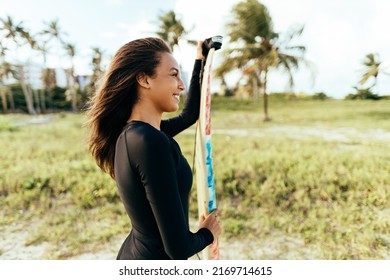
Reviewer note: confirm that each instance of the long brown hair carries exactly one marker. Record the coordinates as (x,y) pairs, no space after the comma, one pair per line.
(111,105)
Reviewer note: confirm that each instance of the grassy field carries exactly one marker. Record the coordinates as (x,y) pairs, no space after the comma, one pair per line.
(314,183)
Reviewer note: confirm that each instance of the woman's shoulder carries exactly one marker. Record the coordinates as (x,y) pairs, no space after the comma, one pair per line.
(142,133)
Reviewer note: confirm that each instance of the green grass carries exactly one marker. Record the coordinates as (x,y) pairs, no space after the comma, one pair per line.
(332,194)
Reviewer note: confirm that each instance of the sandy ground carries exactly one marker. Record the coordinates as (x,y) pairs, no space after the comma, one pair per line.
(13,246)
(304,132)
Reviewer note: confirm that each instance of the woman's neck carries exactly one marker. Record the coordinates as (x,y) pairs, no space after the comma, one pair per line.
(147,114)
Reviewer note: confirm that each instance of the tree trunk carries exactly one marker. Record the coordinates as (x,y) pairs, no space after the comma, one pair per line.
(31,96)
(11,100)
(43,101)
(74,100)
(26,91)
(4,100)
(255,89)
(37,102)
(263,80)
(71,83)
(50,98)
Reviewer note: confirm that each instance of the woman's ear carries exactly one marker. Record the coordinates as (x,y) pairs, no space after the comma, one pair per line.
(142,80)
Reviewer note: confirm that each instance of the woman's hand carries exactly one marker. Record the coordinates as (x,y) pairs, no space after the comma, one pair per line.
(199,54)
(211,222)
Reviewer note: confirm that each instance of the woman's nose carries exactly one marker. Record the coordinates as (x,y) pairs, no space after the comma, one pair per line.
(181,85)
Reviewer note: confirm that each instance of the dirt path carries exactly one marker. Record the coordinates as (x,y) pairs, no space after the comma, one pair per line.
(303,132)
(277,247)
(14,246)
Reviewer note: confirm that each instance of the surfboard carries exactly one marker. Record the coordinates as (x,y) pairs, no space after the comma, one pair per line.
(207,201)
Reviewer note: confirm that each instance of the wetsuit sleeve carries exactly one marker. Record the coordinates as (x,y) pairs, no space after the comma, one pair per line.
(156,166)
(190,112)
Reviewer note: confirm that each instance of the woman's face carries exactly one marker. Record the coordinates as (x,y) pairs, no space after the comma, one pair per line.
(166,85)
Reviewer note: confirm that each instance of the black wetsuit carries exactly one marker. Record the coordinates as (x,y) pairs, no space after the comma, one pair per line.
(154,182)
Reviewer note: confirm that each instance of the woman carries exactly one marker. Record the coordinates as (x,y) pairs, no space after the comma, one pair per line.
(131,142)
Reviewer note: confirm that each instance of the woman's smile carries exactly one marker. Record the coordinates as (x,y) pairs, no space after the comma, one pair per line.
(177,96)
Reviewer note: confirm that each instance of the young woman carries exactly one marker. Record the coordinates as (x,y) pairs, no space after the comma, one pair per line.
(130,141)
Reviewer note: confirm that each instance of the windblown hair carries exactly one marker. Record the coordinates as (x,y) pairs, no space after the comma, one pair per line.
(111,105)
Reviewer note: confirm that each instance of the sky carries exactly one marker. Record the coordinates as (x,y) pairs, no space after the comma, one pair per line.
(338,34)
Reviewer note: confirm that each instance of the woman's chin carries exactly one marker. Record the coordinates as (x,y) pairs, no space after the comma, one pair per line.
(174,108)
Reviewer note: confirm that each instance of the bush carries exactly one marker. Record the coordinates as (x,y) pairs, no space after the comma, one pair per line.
(363,94)
(54,100)
(320,96)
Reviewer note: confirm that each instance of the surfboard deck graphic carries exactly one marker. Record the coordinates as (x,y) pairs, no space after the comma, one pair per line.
(203,147)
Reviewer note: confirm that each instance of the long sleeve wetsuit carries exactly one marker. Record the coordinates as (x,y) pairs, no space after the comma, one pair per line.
(154,181)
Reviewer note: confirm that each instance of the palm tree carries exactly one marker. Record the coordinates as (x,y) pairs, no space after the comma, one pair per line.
(3,90)
(12,30)
(43,48)
(6,70)
(171,29)
(27,38)
(373,67)
(34,46)
(3,93)
(372,64)
(17,34)
(222,70)
(3,51)
(49,81)
(258,48)
(97,67)
(52,36)
(71,78)
(26,88)
(54,32)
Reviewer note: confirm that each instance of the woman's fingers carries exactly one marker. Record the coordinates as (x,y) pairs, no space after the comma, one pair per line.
(199,54)
(211,221)
(215,226)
